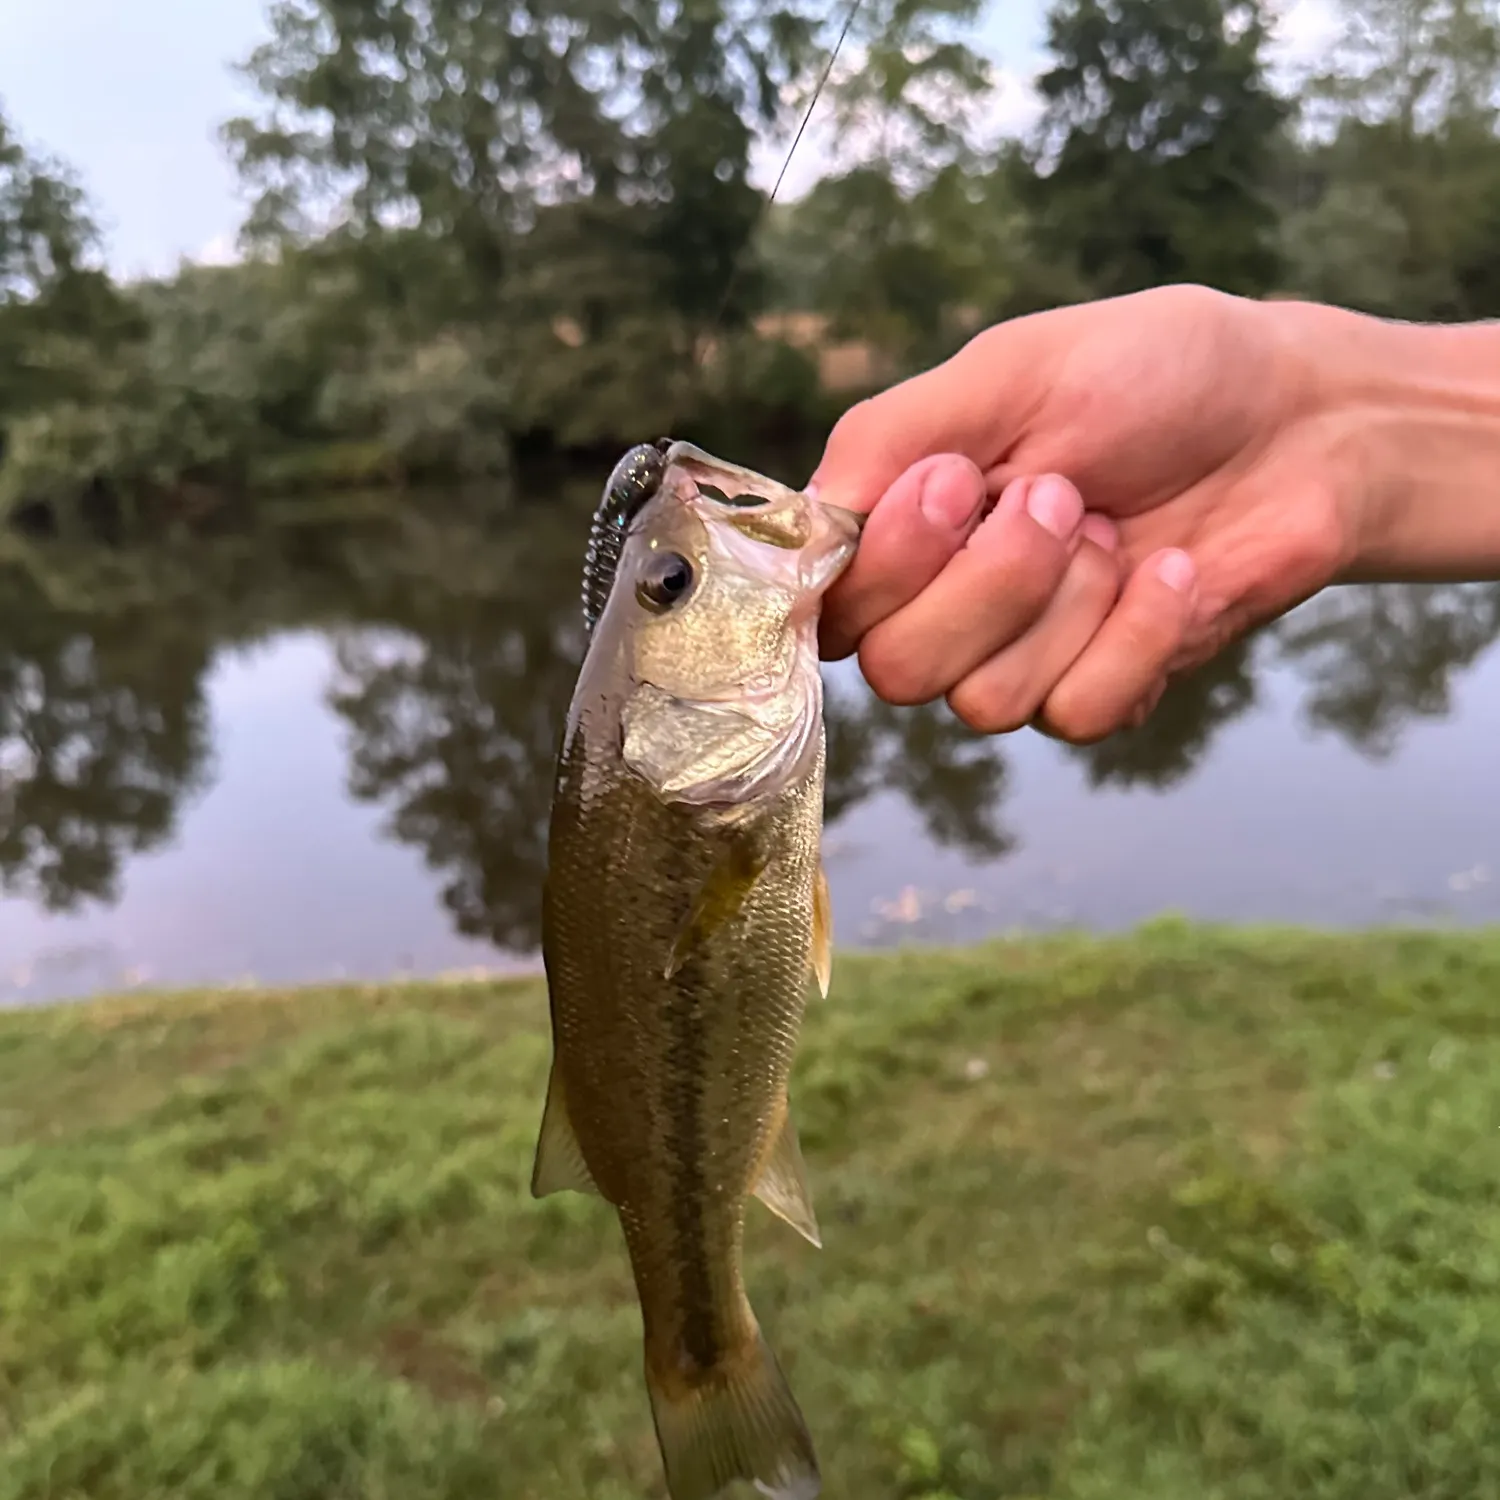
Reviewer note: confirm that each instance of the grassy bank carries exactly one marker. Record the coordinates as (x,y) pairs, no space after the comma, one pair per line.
(1184,1215)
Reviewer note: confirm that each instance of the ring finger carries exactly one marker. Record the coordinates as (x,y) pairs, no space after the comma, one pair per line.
(1005,692)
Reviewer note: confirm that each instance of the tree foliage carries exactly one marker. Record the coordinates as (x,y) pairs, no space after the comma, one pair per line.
(479,225)
(58,310)
(1157,144)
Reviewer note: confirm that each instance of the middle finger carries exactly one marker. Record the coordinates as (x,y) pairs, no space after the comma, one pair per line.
(1005,692)
(989,594)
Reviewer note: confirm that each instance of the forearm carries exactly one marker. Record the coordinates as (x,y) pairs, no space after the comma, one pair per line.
(1415,411)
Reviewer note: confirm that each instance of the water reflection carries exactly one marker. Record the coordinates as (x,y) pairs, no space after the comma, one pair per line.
(1376,658)
(103,735)
(456,643)
(1175,738)
(454,728)
(454,721)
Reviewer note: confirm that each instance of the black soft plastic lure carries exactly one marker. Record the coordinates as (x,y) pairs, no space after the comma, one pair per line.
(636,478)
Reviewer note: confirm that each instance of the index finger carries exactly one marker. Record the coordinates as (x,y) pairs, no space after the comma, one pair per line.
(975,404)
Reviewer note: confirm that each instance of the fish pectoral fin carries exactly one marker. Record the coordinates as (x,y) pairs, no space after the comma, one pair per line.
(720,898)
(782,1186)
(822,933)
(559,1165)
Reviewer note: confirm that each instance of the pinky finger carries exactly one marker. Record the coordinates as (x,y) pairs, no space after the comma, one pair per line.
(1124,668)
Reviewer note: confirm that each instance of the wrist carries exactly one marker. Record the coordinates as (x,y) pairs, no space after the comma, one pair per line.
(1411,417)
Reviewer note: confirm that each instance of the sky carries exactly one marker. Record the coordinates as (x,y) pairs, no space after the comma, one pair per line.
(131,94)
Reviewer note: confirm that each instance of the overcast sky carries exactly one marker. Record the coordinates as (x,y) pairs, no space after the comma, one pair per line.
(130,94)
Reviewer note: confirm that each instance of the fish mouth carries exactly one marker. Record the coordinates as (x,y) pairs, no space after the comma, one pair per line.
(703,469)
(854,519)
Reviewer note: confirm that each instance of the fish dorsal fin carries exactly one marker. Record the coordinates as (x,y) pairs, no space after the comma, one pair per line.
(559,1165)
(822,933)
(720,897)
(783,1183)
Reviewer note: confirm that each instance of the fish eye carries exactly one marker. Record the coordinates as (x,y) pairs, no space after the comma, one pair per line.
(665,582)
(743,501)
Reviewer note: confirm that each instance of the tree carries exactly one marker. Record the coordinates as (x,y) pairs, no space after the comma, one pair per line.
(452,115)
(1416,64)
(1403,162)
(46,233)
(905,100)
(583,166)
(1156,145)
(58,311)
(466,119)
(909,223)
(1347,248)
(911,274)
(722,72)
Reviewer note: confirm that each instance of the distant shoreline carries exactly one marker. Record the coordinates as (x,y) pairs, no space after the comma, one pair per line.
(522,973)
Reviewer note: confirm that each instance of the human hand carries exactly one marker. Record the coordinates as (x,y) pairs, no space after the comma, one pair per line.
(1166,470)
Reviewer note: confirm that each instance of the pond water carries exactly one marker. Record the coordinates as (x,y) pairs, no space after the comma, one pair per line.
(323,750)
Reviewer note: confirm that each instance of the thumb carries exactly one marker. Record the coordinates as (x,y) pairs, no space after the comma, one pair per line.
(974,405)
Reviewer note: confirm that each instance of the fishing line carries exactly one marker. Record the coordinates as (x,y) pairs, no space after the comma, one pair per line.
(638,473)
(833,57)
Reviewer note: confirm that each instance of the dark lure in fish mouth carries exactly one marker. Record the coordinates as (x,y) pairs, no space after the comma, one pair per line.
(634,480)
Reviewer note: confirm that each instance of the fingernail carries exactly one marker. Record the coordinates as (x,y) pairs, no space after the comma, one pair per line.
(1055,506)
(951,494)
(1177,571)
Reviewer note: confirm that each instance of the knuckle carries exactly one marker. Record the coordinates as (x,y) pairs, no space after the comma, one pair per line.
(895,671)
(1189,299)
(1098,575)
(1025,566)
(854,428)
(1148,634)
(1079,718)
(990,708)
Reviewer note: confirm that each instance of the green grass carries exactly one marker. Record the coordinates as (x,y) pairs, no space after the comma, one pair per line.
(1187,1215)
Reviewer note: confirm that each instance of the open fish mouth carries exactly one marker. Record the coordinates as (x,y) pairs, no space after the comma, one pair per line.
(637,479)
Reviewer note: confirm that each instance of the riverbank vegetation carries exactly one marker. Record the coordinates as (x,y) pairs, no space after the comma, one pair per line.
(480,233)
(1182,1213)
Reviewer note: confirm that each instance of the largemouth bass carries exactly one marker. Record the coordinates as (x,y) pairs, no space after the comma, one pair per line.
(685,918)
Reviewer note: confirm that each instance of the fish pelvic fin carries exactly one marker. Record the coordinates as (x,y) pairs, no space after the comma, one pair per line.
(735,1422)
(782,1185)
(822,933)
(559,1165)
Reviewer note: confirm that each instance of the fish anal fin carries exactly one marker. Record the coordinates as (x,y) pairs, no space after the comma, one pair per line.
(782,1185)
(737,1421)
(559,1165)
(822,933)
(720,898)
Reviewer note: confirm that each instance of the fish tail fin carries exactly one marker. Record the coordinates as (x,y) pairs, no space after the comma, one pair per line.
(737,1421)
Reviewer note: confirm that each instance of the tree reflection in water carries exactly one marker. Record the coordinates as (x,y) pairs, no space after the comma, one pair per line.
(1376,658)
(454,726)
(103,735)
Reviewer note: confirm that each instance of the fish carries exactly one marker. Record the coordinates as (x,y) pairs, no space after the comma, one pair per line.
(686,921)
